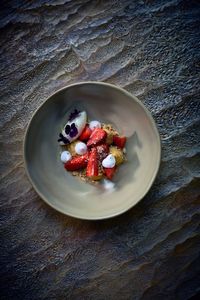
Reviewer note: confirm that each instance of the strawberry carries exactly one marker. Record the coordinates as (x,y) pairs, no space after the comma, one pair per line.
(92,170)
(86,133)
(109,172)
(119,141)
(98,135)
(102,151)
(77,163)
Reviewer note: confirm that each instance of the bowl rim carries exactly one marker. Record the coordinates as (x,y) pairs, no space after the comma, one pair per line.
(122,90)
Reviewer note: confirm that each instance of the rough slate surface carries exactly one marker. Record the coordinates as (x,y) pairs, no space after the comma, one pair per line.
(151,49)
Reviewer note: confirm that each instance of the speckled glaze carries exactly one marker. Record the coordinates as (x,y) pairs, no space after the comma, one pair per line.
(151,49)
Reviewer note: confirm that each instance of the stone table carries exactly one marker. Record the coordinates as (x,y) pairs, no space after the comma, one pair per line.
(150,48)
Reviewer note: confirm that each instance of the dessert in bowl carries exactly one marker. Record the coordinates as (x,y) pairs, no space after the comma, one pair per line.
(91,150)
(90,118)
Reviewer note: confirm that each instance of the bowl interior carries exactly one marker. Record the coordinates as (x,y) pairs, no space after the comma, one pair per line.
(69,194)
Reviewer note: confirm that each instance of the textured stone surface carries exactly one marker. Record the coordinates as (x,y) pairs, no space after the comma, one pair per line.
(151,49)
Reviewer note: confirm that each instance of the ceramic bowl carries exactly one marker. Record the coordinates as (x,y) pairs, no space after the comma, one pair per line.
(70,195)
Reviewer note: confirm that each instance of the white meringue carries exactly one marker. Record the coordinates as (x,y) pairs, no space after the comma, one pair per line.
(80,122)
(65,156)
(109,161)
(81,148)
(94,124)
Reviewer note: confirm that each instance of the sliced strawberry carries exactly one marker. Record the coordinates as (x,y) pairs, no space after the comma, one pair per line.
(109,172)
(119,141)
(98,136)
(102,151)
(77,163)
(92,170)
(85,135)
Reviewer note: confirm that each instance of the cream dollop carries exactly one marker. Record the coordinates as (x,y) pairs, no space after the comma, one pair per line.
(108,185)
(94,124)
(65,156)
(109,161)
(81,148)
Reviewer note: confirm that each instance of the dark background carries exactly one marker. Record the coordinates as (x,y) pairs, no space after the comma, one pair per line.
(150,48)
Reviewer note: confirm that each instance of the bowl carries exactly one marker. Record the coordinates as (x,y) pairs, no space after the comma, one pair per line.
(70,195)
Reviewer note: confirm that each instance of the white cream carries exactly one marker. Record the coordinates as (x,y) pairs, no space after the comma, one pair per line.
(81,148)
(109,161)
(108,185)
(80,122)
(65,156)
(94,124)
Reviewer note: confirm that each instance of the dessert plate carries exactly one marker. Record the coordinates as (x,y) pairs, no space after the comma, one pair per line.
(70,195)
